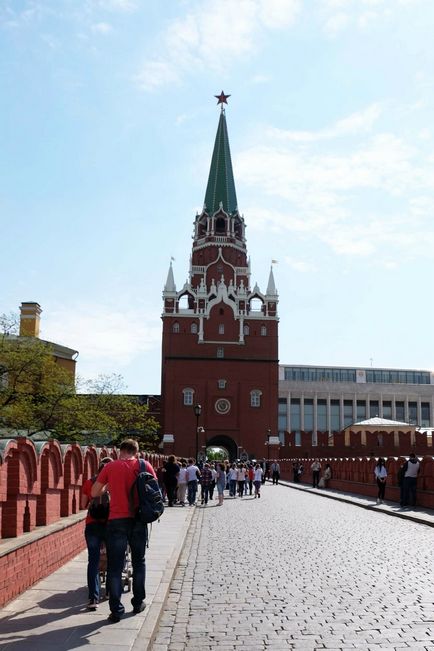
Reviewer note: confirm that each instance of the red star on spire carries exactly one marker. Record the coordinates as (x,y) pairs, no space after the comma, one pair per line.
(222,98)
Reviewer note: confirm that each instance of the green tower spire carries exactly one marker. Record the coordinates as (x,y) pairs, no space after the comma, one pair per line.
(221,185)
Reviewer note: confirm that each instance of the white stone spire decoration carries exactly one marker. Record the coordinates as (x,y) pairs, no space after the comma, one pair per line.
(170,282)
(271,287)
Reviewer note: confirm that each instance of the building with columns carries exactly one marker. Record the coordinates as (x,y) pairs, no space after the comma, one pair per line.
(220,333)
(327,399)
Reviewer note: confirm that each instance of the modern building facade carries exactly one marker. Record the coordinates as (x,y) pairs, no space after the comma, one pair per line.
(327,399)
(220,334)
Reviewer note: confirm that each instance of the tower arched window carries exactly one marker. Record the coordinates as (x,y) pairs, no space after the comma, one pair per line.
(246,329)
(188,396)
(220,225)
(263,331)
(193,328)
(255,398)
(221,329)
(175,327)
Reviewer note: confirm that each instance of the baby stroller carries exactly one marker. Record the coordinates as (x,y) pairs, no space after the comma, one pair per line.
(127,572)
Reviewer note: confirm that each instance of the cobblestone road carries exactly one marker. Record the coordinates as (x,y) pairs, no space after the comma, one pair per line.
(298,571)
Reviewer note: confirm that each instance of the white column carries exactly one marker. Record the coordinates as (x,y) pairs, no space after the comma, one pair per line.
(288,412)
(241,336)
(302,412)
(341,412)
(419,411)
(315,420)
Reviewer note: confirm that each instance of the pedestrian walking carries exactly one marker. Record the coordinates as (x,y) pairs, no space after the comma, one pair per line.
(251,472)
(380,474)
(182,483)
(316,471)
(233,474)
(221,482)
(323,482)
(213,481)
(205,480)
(267,471)
(246,479)
(171,472)
(257,480)
(411,470)
(95,534)
(193,476)
(241,476)
(275,472)
(123,528)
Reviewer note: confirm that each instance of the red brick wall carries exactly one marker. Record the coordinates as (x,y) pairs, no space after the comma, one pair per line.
(23,566)
(357,476)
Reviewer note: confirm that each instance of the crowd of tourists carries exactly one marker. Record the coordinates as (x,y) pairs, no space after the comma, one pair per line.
(184,482)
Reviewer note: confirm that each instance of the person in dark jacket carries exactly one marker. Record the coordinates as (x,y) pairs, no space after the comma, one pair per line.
(410,471)
(171,472)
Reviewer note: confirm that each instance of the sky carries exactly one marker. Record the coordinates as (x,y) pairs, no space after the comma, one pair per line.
(107,125)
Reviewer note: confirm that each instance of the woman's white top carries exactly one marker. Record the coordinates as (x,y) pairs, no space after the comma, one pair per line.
(380,472)
(258,474)
(182,477)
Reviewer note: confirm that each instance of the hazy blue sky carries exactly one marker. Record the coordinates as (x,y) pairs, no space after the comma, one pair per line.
(107,123)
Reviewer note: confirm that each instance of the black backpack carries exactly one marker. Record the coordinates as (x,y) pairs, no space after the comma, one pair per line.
(149,495)
(99,507)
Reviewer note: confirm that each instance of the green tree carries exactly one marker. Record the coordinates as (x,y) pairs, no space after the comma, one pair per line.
(36,394)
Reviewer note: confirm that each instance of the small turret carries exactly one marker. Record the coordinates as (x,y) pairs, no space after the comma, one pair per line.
(271,287)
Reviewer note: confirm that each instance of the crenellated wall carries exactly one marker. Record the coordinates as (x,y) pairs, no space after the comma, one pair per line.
(351,443)
(41,526)
(356,475)
(40,481)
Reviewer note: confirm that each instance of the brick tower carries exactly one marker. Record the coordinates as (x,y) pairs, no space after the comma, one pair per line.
(220,336)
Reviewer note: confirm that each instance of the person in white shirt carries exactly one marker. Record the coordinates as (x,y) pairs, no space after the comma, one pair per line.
(241,477)
(182,483)
(233,474)
(316,470)
(213,482)
(257,479)
(193,475)
(380,473)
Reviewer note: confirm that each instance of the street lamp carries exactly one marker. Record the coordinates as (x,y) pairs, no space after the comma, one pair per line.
(197,411)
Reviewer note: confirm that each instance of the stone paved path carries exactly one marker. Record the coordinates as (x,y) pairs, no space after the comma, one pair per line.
(298,571)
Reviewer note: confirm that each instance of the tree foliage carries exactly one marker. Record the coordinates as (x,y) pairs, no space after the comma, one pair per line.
(38,395)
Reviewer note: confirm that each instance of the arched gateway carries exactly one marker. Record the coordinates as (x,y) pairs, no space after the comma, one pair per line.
(221,441)
(219,349)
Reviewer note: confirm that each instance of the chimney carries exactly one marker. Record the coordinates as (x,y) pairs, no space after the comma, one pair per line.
(30,319)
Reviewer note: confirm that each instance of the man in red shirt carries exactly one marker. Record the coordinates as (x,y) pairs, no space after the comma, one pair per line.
(118,478)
